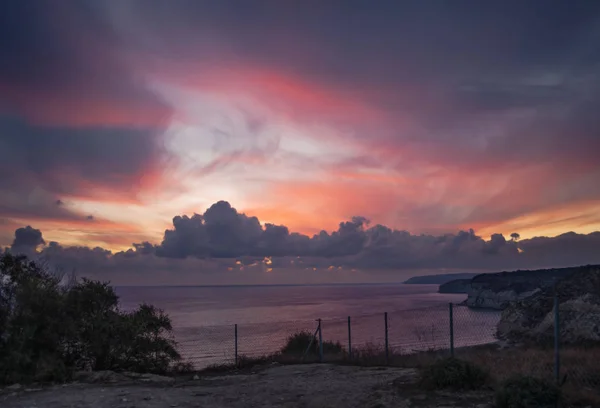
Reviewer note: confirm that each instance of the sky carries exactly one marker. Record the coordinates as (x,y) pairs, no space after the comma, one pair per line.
(421,128)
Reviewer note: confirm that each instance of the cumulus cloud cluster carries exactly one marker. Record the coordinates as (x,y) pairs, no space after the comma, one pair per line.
(225,239)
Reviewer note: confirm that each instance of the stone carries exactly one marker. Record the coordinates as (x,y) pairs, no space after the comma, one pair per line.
(532,319)
(195,377)
(153,378)
(14,387)
(99,377)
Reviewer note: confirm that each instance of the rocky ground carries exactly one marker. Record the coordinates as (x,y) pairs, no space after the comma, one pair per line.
(532,318)
(306,386)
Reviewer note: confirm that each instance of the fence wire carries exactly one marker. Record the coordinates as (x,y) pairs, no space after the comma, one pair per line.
(383,338)
(262,339)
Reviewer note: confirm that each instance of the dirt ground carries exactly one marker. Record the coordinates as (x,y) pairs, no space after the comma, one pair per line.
(305,386)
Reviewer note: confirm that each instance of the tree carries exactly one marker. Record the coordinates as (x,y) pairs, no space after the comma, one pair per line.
(47,330)
(515,236)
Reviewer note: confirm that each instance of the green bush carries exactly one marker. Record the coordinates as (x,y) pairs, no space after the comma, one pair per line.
(330,348)
(298,343)
(47,330)
(527,392)
(452,373)
(31,320)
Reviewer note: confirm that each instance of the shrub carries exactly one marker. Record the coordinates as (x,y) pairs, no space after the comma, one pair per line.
(527,392)
(454,374)
(48,331)
(332,348)
(298,343)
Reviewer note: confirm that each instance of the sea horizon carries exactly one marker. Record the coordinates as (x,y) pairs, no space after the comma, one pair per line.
(257,285)
(205,317)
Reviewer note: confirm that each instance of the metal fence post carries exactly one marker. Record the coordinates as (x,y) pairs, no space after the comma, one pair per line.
(236,345)
(556,339)
(320,343)
(387,350)
(451,329)
(349,340)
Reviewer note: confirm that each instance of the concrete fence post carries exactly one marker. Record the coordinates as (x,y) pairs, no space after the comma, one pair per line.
(387,348)
(236,344)
(556,338)
(349,339)
(320,343)
(451,310)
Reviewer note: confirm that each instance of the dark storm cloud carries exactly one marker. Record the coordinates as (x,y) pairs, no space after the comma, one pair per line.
(50,155)
(75,118)
(462,72)
(510,83)
(437,47)
(224,238)
(67,52)
(222,232)
(41,163)
(28,237)
(397,40)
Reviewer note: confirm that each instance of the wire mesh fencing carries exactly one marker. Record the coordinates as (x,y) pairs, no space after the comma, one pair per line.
(398,338)
(382,335)
(209,345)
(262,339)
(473,327)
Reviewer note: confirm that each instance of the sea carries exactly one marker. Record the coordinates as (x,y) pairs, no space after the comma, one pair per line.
(211,322)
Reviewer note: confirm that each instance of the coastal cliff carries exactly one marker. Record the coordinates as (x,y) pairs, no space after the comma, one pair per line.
(456,286)
(532,319)
(498,290)
(438,279)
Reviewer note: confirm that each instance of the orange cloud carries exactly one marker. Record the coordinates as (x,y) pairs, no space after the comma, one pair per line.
(95,232)
(581,217)
(124,190)
(313,206)
(437,201)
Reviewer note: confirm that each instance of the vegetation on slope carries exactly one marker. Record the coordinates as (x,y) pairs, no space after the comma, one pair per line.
(48,330)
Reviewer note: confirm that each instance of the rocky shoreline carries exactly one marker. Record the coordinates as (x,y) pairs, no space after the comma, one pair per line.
(527,299)
(532,319)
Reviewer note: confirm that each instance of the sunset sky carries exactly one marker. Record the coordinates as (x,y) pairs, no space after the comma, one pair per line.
(430,117)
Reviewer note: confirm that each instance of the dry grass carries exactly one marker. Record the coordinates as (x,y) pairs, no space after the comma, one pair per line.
(579,366)
(580,371)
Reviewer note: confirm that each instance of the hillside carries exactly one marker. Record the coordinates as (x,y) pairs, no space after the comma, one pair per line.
(438,279)
(456,286)
(579,306)
(498,290)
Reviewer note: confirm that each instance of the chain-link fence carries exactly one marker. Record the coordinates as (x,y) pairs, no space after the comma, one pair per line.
(408,337)
(399,333)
